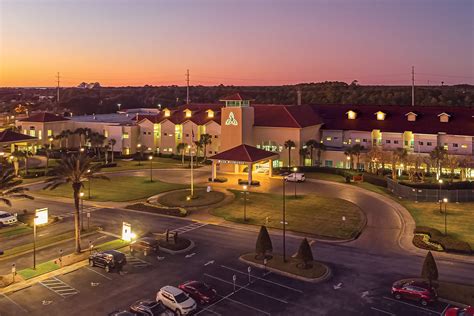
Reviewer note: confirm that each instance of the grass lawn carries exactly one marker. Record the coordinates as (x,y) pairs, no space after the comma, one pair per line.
(118,189)
(158,163)
(113,244)
(19,229)
(41,268)
(456,292)
(201,198)
(316,271)
(308,214)
(325,176)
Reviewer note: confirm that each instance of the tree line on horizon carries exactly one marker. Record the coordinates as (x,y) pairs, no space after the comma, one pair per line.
(105,99)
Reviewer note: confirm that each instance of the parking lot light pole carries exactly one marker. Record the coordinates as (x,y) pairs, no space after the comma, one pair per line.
(284,222)
(139,147)
(245,202)
(440,181)
(81,195)
(151,167)
(294,171)
(90,182)
(445,201)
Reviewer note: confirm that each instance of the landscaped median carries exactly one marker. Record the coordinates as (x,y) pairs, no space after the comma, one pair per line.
(325,217)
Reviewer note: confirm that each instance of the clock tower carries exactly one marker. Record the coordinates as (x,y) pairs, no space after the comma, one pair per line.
(237,118)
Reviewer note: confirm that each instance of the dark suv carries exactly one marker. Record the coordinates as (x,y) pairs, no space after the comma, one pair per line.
(146,245)
(109,260)
(414,290)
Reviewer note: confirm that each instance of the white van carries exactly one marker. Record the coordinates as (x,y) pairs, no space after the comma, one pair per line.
(7,219)
(295,177)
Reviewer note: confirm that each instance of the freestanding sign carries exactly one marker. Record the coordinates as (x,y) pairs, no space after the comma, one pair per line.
(126,231)
(41,216)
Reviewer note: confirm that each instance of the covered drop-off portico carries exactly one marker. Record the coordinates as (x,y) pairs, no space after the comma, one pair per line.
(241,159)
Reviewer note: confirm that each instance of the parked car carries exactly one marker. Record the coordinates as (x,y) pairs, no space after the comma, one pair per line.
(7,218)
(109,260)
(295,177)
(122,313)
(150,308)
(414,290)
(176,300)
(456,311)
(199,291)
(146,245)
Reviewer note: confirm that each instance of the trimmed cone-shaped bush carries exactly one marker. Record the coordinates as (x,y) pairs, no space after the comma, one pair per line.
(264,243)
(429,270)
(305,254)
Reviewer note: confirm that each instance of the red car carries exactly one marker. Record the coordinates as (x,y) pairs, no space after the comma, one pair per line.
(456,311)
(199,291)
(419,291)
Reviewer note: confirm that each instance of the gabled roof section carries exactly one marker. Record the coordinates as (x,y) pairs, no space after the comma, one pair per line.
(11,136)
(244,153)
(444,113)
(44,117)
(294,116)
(411,113)
(236,97)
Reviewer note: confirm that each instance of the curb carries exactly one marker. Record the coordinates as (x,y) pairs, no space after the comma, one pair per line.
(322,278)
(176,252)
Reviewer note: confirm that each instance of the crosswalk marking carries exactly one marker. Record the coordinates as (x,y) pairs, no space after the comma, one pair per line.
(59,287)
(188,228)
(136,262)
(86,209)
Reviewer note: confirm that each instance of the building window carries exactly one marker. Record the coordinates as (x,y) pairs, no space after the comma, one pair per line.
(106,133)
(445,146)
(170,149)
(328,163)
(380,116)
(395,142)
(455,145)
(351,115)
(50,132)
(215,136)
(40,136)
(388,141)
(328,138)
(463,146)
(149,133)
(429,144)
(125,135)
(364,140)
(144,133)
(357,140)
(187,135)
(165,134)
(420,143)
(406,143)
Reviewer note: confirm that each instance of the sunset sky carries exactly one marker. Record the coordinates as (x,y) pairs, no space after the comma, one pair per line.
(241,42)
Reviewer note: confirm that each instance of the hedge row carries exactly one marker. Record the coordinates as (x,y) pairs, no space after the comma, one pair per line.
(424,242)
(218,179)
(145,207)
(465,185)
(450,244)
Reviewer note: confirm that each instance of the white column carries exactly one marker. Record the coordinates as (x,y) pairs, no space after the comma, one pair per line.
(270,168)
(249,173)
(213,170)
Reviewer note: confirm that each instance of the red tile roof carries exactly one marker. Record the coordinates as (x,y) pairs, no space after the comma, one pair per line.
(244,153)
(461,121)
(11,136)
(236,97)
(44,117)
(295,116)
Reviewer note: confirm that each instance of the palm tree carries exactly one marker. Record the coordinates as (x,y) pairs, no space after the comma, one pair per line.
(303,153)
(289,144)
(9,187)
(21,155)
(357,150)
(205,140)
(60,137)
(321,147)
(452,162)
(199,147)
(349,152)
(438,155)
(67,134)
(112,143)
(399,155)
(74,170)
(311,144)
(181,148)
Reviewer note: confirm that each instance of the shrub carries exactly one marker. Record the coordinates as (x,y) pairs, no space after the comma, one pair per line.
(109,165)
(218,179)
(429,270)
(423,241)
(449,243)
(253,182)
(145,207)
(264,243)
(305,254)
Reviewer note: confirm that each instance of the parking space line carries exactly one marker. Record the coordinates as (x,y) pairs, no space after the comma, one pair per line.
(255,277)
(422,308)
(59,287)
(222,298)
(99,273)
(136,262)
(382,311)
(445,309)
(188,228)
(15,303)
(251,307)
(246,288)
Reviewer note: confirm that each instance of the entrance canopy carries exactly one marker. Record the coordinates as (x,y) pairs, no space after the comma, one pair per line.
(10,140)
(243,156)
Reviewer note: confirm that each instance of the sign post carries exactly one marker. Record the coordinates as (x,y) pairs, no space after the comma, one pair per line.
(234,278)
(13,272)
(249,269)
(127,234)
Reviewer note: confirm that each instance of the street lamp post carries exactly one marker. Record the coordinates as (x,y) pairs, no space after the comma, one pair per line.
(440,181)
(445,200)
(81,195)
(284,222)
(139,146)
(90,183)
(245,202)
(151,167)
(294,170)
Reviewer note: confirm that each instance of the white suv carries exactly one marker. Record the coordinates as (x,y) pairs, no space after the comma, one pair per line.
(176,300)
(295,177)
(7,218)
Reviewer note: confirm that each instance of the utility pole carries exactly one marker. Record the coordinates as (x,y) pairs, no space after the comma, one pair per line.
(412,85)
(187,86)
(57,92)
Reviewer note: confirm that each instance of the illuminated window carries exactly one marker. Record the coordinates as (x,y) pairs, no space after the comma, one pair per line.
(463,146)
(411,116)
(351,115)
(357,140)
(380,115)
(167,112)
(210,113)
(444,117)
(187,113)
(125,135)
(50,132)
(25,132)
(328,138)
(445,146)
(170,149)
(40,136)
(106,133)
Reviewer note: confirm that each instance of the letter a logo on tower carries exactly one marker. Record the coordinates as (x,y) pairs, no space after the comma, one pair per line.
(231,120)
